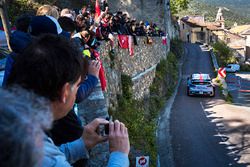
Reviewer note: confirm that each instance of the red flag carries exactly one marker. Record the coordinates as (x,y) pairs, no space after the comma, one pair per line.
(131,45)
(101,72)
(97,10)
(164,40)
(123,41)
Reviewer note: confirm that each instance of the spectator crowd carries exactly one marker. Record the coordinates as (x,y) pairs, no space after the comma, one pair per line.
(55,64)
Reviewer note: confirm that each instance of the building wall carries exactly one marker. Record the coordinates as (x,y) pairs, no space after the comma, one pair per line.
(193,32)
(185,30)
(247,47)
(248,40)
(247,52)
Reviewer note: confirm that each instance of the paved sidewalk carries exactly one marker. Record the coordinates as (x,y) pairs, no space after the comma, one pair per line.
(233,126)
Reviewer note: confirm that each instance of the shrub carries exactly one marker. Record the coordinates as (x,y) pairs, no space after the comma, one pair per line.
(176,47)
(223,53)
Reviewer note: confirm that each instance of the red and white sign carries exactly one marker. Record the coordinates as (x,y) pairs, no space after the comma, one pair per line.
(222,72)
(142,161)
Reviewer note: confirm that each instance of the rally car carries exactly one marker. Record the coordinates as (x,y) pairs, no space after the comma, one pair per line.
(200,84)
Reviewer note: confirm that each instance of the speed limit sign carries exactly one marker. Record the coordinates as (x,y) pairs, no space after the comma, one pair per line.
(142,161)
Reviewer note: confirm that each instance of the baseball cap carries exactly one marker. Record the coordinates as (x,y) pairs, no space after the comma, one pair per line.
(44,24)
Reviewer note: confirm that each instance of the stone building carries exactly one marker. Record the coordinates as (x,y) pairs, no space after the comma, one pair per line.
(195,30)
(244,32)
(247,50)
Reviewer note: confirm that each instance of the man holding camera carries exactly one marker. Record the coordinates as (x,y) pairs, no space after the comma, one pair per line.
(53,68)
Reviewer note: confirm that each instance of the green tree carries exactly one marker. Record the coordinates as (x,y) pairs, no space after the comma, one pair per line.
(223,53)
(178,5)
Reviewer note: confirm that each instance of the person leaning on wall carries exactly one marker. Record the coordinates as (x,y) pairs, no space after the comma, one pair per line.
(52,67)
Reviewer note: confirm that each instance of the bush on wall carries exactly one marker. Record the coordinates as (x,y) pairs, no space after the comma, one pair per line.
(141,116)
(176,47)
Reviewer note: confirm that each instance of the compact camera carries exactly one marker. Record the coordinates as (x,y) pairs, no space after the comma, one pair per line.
(103,129)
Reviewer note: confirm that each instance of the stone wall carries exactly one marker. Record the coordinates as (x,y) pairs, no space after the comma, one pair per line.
(150,10)
(141,67)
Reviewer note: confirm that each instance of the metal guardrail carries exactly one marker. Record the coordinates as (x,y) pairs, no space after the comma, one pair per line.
(215,63)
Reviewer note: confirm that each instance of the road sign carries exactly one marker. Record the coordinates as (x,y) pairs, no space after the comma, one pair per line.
(142,161)
(222,72)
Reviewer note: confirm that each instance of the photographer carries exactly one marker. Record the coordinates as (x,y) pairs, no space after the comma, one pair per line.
(53,68)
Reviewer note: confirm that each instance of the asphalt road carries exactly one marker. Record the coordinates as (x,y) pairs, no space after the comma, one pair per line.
(196,141)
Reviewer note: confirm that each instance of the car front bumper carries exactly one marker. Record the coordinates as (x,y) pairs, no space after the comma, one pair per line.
(201,93)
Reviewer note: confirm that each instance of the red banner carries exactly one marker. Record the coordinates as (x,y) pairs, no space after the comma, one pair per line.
(123,41)
(97,10)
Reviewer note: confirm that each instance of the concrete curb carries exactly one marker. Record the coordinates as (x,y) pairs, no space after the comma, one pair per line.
(165,152)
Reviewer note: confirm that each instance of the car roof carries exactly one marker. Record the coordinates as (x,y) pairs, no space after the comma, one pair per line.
(200,76)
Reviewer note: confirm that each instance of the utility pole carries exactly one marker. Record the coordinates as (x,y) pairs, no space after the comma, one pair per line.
(5,21)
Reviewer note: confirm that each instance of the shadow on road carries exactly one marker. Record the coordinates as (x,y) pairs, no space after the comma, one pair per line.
(232,132)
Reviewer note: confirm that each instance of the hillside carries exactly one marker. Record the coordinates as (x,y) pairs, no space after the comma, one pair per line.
(242,7)
(209,10)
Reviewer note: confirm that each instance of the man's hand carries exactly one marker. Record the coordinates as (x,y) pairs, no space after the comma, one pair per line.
(118,137)
(94,68)
(90,136)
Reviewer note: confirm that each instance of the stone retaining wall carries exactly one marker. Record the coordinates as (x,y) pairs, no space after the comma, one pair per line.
(141,66)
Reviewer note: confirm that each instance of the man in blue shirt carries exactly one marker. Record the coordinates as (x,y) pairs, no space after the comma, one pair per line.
(53,68)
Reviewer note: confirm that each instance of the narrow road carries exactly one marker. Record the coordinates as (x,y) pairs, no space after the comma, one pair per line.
(196,141)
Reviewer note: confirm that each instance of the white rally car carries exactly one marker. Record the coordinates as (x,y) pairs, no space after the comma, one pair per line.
(200,84)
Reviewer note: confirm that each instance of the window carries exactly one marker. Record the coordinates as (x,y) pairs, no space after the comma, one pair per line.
(201,28)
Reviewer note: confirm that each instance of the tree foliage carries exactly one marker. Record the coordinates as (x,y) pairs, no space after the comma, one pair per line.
(178,5)
(223,53)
